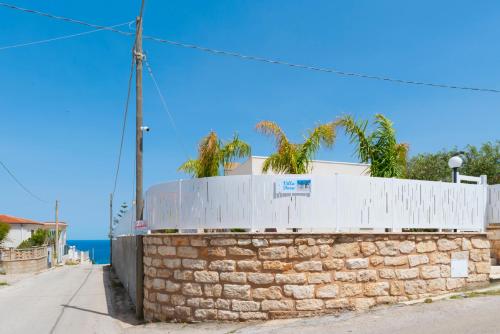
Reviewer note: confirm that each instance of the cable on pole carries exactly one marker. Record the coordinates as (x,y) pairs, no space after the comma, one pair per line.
(260,59)
(20,184)
(59,37)
(124,125)
(164,105)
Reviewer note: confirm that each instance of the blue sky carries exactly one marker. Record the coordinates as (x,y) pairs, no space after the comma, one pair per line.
(61,103)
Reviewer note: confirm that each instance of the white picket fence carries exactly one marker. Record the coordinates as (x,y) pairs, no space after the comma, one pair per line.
(335,203)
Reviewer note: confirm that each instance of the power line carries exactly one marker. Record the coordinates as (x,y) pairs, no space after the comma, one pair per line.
(165,107)
(124,125)
(19,183)
(58,38)
(261,59)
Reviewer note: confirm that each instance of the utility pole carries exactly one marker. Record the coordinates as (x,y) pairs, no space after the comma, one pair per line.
(57,233)
(139,203)
(111,230)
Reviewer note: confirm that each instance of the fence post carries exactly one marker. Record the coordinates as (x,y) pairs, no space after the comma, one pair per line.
(139,270)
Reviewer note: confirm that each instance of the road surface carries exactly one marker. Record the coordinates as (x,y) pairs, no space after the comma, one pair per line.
(81,299)
(71,299)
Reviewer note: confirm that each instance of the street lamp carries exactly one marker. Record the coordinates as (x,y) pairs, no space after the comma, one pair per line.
(455,163)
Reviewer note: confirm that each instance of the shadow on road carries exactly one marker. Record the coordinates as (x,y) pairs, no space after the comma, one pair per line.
(119,303)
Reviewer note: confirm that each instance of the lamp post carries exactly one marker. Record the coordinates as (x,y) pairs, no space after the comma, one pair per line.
(455,163)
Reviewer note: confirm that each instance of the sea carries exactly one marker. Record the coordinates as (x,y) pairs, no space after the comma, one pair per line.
(98,249)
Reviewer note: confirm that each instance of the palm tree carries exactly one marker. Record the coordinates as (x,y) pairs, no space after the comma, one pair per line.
(379,148)
(213,154)
(292,158)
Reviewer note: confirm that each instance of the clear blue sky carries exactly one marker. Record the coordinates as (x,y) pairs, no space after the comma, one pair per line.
(61,103)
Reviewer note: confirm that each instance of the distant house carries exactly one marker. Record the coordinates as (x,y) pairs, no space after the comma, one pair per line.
(253,166)
(23,228)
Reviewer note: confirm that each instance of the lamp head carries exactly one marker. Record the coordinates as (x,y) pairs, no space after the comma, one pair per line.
(455,162)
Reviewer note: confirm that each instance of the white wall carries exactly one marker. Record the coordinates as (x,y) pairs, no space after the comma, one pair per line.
(18,233)
(253,166)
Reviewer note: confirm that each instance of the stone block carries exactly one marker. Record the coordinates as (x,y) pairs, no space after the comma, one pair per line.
(309,304)
(377,289)
(483,267)
(368,248)
(342,303)
(195,242)
(406,274)
(333,264)
(206,276)
(158,284)
(324,250)
(253,316)
(349,249)
(249,265)
(309,266)
(271,293)
(437,284)
(233,291)
(223,304)
(260,243)
(376,260)
(327,291)
(291,278)
(191,289)
(245,306)
(427,272)
(426,246)
(397,288)
(273,253)
(172,263)
(367,275)
(178,241)
(407,246)
(187,251)
(444,245)
(238,251)
(177,300)
(227,315)
(162,297)
(183,275)
(477,278)
(388,247)
(319,278)
(350,290)
(439,258)
(387,273)
(396,260)
(415,287)
(260,278)
(455,283)
(223,242)
(281,242)
(222,265)
(362,304)
(194,264)
(277,305)
(480,243)
(182,312)
(172,286)
(277,265)
(345,276)
(216,252)
(466,244)
(299,291)
(166,250)
(233,277)
(205,314)
(359,263)
(416,260)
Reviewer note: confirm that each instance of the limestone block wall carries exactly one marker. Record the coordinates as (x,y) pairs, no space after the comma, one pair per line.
(21,261)
(494,237)
(240,277)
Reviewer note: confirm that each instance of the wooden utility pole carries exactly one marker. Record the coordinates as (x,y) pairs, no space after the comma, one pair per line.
(111,229)
(56,252)
(139,203)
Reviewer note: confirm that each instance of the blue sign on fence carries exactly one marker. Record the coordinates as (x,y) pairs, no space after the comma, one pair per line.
(293,186)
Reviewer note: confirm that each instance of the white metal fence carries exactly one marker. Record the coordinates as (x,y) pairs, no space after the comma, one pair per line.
(337,203)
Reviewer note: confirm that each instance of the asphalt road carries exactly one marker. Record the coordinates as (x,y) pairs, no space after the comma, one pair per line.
(72,299)
(81,299)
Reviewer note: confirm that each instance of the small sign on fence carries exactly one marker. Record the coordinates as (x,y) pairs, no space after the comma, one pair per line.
(141,226)
(293,186)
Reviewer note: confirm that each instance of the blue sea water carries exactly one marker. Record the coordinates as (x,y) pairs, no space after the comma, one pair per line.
(98,249)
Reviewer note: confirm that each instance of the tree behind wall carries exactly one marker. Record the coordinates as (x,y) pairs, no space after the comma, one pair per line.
(39,238)
(4,231)
(434,166)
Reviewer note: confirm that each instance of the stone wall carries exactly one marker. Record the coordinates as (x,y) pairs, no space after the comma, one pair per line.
(22,261)
(249,276)
(494,237)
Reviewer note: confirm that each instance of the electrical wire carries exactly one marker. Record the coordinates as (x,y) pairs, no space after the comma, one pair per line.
(261,59)
(124,125)
(58,38)
(20,184)
(165,107)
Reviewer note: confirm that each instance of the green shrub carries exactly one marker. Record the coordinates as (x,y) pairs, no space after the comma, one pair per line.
(4,231)
(39,238)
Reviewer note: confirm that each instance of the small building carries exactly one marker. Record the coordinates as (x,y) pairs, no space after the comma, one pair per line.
(22,229)
(253,166)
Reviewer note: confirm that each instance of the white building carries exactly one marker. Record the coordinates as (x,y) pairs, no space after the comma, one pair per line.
(22,229)
(253,166)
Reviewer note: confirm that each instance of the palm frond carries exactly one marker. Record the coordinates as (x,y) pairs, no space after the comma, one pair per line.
(357,133)
(190,167)
(235,149)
